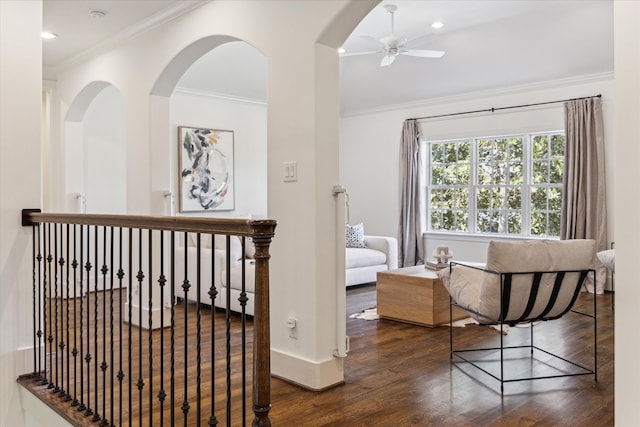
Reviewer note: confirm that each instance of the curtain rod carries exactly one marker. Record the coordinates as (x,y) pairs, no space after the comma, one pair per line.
(491,110)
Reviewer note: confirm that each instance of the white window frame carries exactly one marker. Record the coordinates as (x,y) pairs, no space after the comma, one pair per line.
(527,159)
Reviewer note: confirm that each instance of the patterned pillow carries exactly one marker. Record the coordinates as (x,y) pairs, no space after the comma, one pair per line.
(354,236)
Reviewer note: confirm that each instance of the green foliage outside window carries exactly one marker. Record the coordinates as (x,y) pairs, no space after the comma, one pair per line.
(507,185)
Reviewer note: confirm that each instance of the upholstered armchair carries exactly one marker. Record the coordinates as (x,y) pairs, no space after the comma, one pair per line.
(522,282)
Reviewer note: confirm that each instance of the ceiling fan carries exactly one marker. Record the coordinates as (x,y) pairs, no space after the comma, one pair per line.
(394,45)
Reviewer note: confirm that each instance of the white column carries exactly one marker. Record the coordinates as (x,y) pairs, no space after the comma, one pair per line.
(627,204)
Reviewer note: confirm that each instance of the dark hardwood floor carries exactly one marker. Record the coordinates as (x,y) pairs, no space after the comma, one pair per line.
(399,374)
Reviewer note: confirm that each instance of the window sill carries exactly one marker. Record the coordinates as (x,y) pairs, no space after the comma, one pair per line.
(476,237)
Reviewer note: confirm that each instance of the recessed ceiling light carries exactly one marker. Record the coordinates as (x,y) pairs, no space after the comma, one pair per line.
(341,50)
(46,35)
(437,25)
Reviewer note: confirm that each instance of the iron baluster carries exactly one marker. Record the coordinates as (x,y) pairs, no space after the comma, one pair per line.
(104,366)
(185,287)
(162,280)
(59,344)
(87,358)
(150,255)
(130,319)
(67,396)
(96,415)
(81,405)
(140,278)
(213,293)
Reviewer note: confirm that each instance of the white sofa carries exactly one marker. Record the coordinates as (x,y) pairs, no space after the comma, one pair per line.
(363,264)
(220,271)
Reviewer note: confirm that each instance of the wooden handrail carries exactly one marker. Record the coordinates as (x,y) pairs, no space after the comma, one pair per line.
(226,226)
(261,232)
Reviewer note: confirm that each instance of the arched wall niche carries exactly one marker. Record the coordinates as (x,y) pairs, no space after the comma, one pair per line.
(95,150)
(166,82)
(82,101)
(170,109)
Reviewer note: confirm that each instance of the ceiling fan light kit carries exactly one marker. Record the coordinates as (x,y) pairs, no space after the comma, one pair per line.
(394,45)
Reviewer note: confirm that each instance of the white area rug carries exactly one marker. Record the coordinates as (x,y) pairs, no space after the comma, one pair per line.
(368,314)
(471,321)
(372,314)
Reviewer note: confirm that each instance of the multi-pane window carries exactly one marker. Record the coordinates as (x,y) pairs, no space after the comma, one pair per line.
(504,185)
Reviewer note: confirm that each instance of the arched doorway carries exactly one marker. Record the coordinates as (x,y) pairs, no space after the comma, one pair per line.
(216,83)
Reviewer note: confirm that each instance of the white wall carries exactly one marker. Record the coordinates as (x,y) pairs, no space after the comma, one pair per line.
(369,147)
(20,187)
(248,121)
(627,200)
(104,145)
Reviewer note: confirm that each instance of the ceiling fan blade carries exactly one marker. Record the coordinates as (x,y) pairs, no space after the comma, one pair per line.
(423,53)
(387,60)
(371,38)
(369,52)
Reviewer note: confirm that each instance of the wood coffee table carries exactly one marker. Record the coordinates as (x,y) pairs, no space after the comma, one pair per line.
(414,295)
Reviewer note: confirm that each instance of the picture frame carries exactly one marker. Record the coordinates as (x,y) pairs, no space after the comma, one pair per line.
(206,169)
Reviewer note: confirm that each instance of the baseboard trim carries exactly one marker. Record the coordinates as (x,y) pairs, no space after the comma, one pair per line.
(308,374)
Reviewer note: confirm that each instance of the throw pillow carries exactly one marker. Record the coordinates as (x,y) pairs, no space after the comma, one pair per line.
(249,248)
(354,236)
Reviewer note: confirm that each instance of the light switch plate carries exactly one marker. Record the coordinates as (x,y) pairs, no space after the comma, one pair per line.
(290,171)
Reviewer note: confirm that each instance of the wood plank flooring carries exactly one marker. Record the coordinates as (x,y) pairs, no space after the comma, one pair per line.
(399,374)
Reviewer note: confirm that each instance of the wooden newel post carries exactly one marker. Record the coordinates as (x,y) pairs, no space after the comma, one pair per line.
(263,232)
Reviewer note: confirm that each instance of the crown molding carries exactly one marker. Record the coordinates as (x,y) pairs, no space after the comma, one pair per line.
(164,16)
(219,96)
(551,84)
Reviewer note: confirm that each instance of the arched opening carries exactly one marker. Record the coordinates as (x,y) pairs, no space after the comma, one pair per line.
(216,84)
(95,143)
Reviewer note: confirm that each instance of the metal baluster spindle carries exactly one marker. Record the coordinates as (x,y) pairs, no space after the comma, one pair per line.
(213,293)
(120,322)
(162,282)
(130,318)
(96,257)
(74,352)
(38,325)
(48,309)
(140,277)
(150,255)
(243,303)
(198,329)
(173,329)
(228,327)
(81,406)
(58,328)
(185,287)
(67,395)
(104,366)
(87,357)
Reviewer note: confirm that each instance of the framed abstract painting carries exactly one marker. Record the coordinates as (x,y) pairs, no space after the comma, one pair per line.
(206,169)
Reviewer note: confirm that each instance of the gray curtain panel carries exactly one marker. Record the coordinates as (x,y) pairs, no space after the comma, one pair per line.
(410,247)
(584,197)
